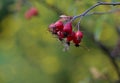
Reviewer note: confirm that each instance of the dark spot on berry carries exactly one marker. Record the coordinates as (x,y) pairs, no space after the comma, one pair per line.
(61,39)
(65,34)
(77,45)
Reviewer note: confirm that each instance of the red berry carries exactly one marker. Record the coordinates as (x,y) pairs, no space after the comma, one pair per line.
(70,37)
(79,34)
(33,11)
(77,38)
(28,15)
(76,42)
(67,28)
(59,25)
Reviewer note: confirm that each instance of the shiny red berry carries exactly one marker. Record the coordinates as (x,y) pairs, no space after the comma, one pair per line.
(70,37)
(76,42)
(79,35)
(67,29)
(59,25)
(77,38)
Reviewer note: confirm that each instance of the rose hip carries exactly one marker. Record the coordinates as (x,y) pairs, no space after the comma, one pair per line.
(31,12)
(67,30)
(59,25)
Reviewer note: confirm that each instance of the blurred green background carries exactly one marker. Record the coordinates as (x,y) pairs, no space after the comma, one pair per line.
(30,54)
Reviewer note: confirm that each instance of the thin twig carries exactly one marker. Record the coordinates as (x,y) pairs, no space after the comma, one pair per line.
(92,7)
(101,13)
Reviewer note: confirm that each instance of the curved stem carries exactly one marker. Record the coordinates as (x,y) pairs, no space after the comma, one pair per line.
(101,13)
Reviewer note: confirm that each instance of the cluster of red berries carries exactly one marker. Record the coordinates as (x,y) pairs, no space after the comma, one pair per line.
(31,12)
(64,31)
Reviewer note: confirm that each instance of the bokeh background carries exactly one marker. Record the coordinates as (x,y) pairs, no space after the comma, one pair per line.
(30,54)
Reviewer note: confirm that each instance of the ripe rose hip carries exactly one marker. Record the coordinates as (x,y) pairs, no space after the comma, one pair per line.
(77,38)
(31,12)
(28,15)
(79,35)
(70,37)
(67,30)
(76,42)
(59,25)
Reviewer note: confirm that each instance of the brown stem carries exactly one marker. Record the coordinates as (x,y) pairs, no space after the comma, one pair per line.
(101,13)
